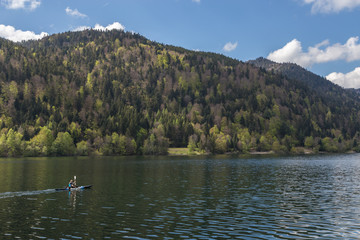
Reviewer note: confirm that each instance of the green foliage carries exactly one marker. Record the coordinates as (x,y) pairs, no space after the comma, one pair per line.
(192,145)
(117,93)
(118,145)
(156,144)
(3,145)
(222,143)
(82,148)
(277,147)
(309,142)
(244,140)
(265,143)
(41,143)
(75,131)
(63,145)
(219,142)
(329,145)
(11,143)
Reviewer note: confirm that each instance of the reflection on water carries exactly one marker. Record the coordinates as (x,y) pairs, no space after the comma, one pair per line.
(179,198)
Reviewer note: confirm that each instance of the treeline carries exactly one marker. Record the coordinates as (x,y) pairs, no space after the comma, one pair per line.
(44,144)
(117,93)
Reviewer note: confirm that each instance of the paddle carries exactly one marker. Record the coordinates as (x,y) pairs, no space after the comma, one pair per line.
(75,181)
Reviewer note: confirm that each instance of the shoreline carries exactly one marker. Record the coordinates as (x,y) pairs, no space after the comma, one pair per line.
(302,151)
(186,152)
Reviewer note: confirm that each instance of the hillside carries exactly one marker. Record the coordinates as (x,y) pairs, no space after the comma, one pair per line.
(315,82)
(115,92)
(294,71)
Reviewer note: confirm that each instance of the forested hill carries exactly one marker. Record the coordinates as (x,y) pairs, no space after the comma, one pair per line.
(315,82)
(115,92)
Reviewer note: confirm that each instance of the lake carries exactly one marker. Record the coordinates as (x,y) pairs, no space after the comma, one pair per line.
(208,197)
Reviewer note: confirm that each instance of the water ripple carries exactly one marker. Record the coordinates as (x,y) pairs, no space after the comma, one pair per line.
(280,198)
(25,193)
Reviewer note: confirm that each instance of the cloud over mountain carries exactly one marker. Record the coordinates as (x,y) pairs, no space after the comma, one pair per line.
(320,53)
(347,80)
(230,46)
(114,26)
(10,33)
(98,27)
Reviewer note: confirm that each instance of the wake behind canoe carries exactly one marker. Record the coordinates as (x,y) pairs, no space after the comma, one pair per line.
(73,189)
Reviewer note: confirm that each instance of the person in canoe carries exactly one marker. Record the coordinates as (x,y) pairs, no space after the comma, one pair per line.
(71,184)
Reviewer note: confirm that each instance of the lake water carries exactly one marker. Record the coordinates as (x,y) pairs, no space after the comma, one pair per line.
(222,197)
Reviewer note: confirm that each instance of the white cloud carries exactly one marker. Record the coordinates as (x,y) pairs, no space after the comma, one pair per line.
(328,6)
(320,53)
(74,13)
(348,80)
(230,47)
(24,4)
(10,33)
(115,25)
(197,1)
(98,27)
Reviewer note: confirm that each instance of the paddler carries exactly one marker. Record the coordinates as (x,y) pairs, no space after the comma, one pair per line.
(71,184)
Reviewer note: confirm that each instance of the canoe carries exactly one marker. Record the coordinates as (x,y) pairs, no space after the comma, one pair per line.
(73,189)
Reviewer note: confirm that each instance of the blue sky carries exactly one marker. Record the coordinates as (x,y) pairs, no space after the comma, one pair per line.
(320,35)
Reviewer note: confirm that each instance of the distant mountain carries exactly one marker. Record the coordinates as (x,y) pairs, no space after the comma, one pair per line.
(118,93)
(294,71)
(317,83)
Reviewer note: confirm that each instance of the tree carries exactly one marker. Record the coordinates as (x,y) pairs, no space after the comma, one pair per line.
(130,146)
(14,143)
(218,140)
(244,140)
(63,144)
(3,145)
(156,143)
(75,131)
(82,148)
(41,143)
(192,145)
(309,142)
(222,142)
(118,143)
(329,145)
(265,143)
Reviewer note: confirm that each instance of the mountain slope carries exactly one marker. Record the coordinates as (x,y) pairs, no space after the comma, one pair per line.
(116,92)
(294,71)
(329,91)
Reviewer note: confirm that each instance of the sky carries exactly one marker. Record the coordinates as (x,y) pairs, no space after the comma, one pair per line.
(319,35)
